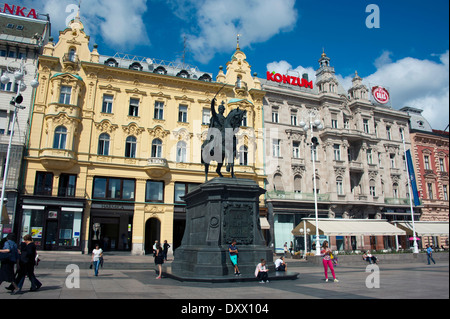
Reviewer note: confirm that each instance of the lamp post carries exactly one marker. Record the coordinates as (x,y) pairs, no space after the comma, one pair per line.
(416,248)
(305,231)
(19,74)
(314,122)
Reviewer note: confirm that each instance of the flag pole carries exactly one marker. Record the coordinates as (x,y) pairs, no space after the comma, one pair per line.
(416,249)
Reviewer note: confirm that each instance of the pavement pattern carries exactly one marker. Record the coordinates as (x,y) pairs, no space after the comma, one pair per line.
(67,276)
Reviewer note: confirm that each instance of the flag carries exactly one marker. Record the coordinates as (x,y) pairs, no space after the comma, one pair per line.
(412,178)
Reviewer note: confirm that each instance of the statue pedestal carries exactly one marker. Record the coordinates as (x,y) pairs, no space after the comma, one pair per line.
(218,211)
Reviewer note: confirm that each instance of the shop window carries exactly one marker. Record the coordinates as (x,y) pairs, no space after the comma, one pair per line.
(43,183)
(69,229)
(33,224)
(154,191)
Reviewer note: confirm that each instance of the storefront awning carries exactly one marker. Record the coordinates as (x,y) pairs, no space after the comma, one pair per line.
(425,228)
(264,223)
(348,227)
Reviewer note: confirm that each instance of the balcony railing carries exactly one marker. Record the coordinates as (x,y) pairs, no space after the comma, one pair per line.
(297,196)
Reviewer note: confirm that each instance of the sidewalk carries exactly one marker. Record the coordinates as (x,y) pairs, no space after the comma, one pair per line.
(133,277)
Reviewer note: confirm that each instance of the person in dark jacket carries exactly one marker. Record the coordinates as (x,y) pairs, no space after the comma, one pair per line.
(7,267)
(26,264)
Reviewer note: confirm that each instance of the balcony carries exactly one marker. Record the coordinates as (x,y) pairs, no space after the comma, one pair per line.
(70,60)
(297,196)
(57,159)
(156,167)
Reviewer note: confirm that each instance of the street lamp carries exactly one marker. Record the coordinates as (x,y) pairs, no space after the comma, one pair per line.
(314,122)
(15,101)
(305,231)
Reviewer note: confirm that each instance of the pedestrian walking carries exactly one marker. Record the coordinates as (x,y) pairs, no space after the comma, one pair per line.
(97,255)
(326,254)
(27,262)
(262,272)
(430,255)
(9,256)
(285,247)
(234,255)
(166,247)
(291,249)
(159,259)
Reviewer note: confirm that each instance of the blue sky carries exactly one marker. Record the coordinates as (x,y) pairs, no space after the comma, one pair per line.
(408,53)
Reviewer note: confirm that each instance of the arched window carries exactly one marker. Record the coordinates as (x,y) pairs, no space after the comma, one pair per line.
(181,152)
(372,188)
(130,147)
(278,182)
(157,148)
(60,137)
(297,184)
(103,144)
(339,186)
(395,190)
(243,155)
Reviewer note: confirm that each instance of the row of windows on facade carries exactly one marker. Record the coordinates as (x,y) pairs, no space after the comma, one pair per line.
(276,152)
(13,53)
(133,110)
(334,124)
(104,141)
(278,186)
(109,188)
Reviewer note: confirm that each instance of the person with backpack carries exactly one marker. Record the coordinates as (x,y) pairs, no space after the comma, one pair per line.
(9,256)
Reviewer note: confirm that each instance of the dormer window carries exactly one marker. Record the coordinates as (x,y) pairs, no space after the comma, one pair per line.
(160,70)
(183,74)
(111,62)
(135,66)
(205,77)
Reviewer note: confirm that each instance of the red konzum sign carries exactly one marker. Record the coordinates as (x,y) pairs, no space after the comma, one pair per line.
(18,11)
(288,79)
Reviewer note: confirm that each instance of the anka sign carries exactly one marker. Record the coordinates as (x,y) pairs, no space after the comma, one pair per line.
(380,94)
(18,10)
(288,79)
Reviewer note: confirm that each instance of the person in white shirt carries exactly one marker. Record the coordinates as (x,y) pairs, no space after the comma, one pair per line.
(261,272)
(97,254)
(280,265)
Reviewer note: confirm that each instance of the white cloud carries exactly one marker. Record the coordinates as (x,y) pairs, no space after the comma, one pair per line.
(216,23)
(118,23)
(423,84)
(284,67)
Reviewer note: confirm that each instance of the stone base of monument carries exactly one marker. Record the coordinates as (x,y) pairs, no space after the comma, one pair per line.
(217,212)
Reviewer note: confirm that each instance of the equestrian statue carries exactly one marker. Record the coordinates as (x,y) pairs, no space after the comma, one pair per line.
(221,141)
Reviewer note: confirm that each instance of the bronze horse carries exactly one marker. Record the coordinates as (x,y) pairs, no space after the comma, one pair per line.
(221,142)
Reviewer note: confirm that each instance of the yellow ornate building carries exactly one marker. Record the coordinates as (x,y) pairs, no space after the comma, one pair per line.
(115,142)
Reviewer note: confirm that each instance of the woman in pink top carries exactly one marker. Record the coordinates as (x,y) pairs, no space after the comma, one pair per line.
(326,254)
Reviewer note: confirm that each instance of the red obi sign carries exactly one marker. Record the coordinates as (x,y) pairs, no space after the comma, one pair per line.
(18,11)
(380,94)
(288,79)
